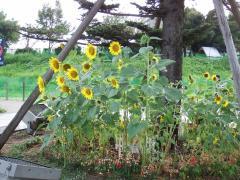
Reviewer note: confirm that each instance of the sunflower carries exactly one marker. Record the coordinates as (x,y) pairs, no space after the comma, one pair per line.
(50,118)
(215,141)
(86,67)
(161,118)
(214,77)
(218,99)
(73,74)
(41,84)
(120,64)
(87,93)
(154,77)
(54,64)
(115,48)
(60,81)
(121,123)
(65,89)
(91,51)
(225,103)
(206,75)
(66,67)
(114,82)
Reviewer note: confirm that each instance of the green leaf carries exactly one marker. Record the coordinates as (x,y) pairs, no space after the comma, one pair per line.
(114,106)
(155,38)
(172,94)
(129,71)
(134,128)
(136,81)
(163,64)
(92,112)
(112,93)
(145,50)
(149,90)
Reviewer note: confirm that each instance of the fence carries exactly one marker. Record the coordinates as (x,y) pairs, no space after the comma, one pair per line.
(16,88)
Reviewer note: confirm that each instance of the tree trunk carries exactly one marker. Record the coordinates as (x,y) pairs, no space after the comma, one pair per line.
(172,37)
(235,10)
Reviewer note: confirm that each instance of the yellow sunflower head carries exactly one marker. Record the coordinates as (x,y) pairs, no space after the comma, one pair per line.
(214,77)
(114,82)
(73,74)
(120,64)
(41,84)
(66,67)
(86,67)
(54,64)
(121,123)
(60,81)
(50,118)
(115,48)
(65,89)
(87,93)
(206,75)
(218,99)
(91,51)
(161,118)
(154,77)
(225,103)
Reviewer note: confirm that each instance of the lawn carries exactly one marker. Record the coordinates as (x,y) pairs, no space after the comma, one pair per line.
(25,68)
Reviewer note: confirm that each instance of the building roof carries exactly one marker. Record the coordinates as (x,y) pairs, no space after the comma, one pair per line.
(211,51)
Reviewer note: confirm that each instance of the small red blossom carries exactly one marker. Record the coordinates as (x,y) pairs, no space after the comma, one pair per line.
(193,161)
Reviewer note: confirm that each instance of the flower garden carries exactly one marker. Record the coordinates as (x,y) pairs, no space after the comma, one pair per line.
(122,118)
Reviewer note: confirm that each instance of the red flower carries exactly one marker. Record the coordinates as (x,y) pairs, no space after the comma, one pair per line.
(193,161)
(118,164)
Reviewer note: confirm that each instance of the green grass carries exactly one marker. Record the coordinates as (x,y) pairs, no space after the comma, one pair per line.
(27,67)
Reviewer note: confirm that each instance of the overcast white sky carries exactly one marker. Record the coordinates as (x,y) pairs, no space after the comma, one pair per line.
(26,11)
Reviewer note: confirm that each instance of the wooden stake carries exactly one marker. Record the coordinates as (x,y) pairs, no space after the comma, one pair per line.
(48,75)
(231,50)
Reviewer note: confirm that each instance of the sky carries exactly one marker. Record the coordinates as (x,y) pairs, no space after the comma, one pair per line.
(26,11)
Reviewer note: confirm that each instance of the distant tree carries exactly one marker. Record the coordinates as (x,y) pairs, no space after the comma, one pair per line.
(50,24)
(8,29)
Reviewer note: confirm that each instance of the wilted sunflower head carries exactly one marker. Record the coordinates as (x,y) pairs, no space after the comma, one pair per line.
(91,51)
(86,67)
(206,75)
(87,93)
(218,99)
(54,64)
(115,48)
(73,74)
(41,84)
(65,89)
(66,67)
(60,81)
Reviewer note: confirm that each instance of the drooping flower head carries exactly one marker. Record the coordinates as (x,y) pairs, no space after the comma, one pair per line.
(154,77)
(41,84)
(73,74)
(60,81)
(214,78)
(54,64)
(115,48)
(65,89)
(66,67)
(120,64)
(91,51)
(87,93)
(86,67)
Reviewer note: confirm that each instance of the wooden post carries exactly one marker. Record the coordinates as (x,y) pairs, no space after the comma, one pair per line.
(48,75)
(231,50)
(23,89)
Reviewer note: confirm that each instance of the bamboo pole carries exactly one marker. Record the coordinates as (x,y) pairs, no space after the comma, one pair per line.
(231,50)
(48,75)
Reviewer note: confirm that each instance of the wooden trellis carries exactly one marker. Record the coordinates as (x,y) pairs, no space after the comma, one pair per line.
(71,43)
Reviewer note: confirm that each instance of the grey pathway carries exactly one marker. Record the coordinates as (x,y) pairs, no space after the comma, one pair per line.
(12,108)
